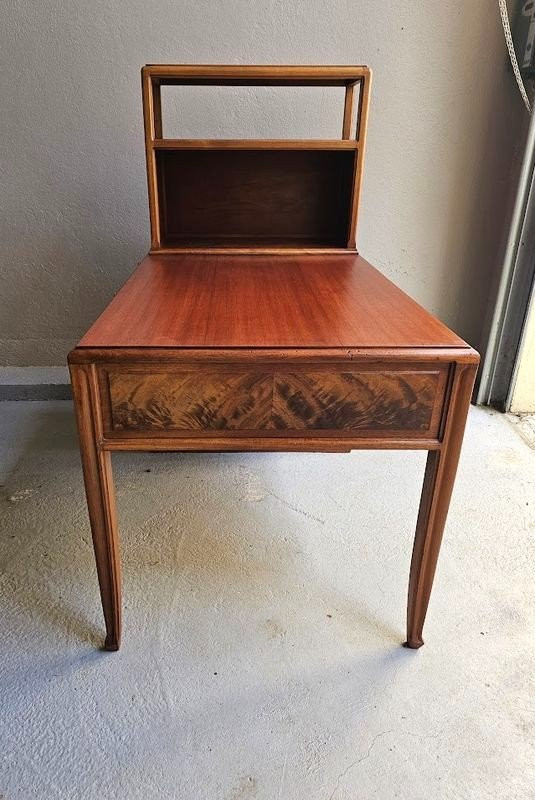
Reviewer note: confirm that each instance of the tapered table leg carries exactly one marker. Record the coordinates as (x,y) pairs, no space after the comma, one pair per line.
(99,490)
(436,493)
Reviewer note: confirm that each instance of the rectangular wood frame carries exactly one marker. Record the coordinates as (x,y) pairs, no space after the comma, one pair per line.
(354,120)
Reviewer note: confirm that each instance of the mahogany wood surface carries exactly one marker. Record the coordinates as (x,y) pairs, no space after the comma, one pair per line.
(301,301)
(255,144)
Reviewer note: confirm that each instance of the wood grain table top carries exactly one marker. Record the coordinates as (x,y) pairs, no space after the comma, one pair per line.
(264,301)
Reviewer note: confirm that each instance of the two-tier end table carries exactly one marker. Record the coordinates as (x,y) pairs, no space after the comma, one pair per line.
(253,324)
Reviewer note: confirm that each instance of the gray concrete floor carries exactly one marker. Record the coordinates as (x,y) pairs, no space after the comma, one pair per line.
(264,607)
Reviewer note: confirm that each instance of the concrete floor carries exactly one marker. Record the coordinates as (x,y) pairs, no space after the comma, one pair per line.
(264,607)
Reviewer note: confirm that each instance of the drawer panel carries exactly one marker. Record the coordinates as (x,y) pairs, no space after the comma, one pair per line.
(202,400)
(197,401)
(354,400)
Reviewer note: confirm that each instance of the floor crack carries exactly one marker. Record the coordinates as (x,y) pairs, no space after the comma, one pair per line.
(357,761)
(296,509)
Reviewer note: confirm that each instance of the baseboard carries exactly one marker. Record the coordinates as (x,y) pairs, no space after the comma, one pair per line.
(34,383)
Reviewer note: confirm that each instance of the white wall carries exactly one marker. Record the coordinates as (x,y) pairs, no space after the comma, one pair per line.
(444,119)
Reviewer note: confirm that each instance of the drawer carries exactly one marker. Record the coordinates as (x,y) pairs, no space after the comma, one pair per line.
(299,399)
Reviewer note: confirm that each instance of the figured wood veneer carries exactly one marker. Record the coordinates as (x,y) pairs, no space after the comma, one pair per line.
(283,401)
(195,401)
(368,401)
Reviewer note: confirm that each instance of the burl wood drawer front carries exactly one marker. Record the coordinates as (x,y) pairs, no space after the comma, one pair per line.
(281,400)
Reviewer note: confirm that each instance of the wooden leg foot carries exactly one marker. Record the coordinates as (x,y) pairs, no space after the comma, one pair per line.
(98,480)
(111,644)
(414,644)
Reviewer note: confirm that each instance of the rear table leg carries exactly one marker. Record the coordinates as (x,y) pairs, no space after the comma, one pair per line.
(436,493)
(98,477)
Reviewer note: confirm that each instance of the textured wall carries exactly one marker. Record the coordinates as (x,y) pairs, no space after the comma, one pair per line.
(444,120)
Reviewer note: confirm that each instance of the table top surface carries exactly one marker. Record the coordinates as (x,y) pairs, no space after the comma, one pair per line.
(264,301)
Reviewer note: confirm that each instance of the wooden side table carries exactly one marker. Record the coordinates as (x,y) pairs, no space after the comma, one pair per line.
(253,324)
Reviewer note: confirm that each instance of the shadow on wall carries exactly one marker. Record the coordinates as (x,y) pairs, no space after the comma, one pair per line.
(480,236)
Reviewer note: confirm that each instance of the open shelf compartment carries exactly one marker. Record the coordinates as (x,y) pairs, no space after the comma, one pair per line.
(255,194)
(234,198)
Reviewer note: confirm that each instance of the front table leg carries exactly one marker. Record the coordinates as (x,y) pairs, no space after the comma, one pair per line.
(436,493)
(98,478)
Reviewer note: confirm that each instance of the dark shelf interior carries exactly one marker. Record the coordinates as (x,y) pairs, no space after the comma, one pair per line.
(255,198)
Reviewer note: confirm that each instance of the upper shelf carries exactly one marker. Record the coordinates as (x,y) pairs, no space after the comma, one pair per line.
(255,144)
(253,193)
(238,75)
